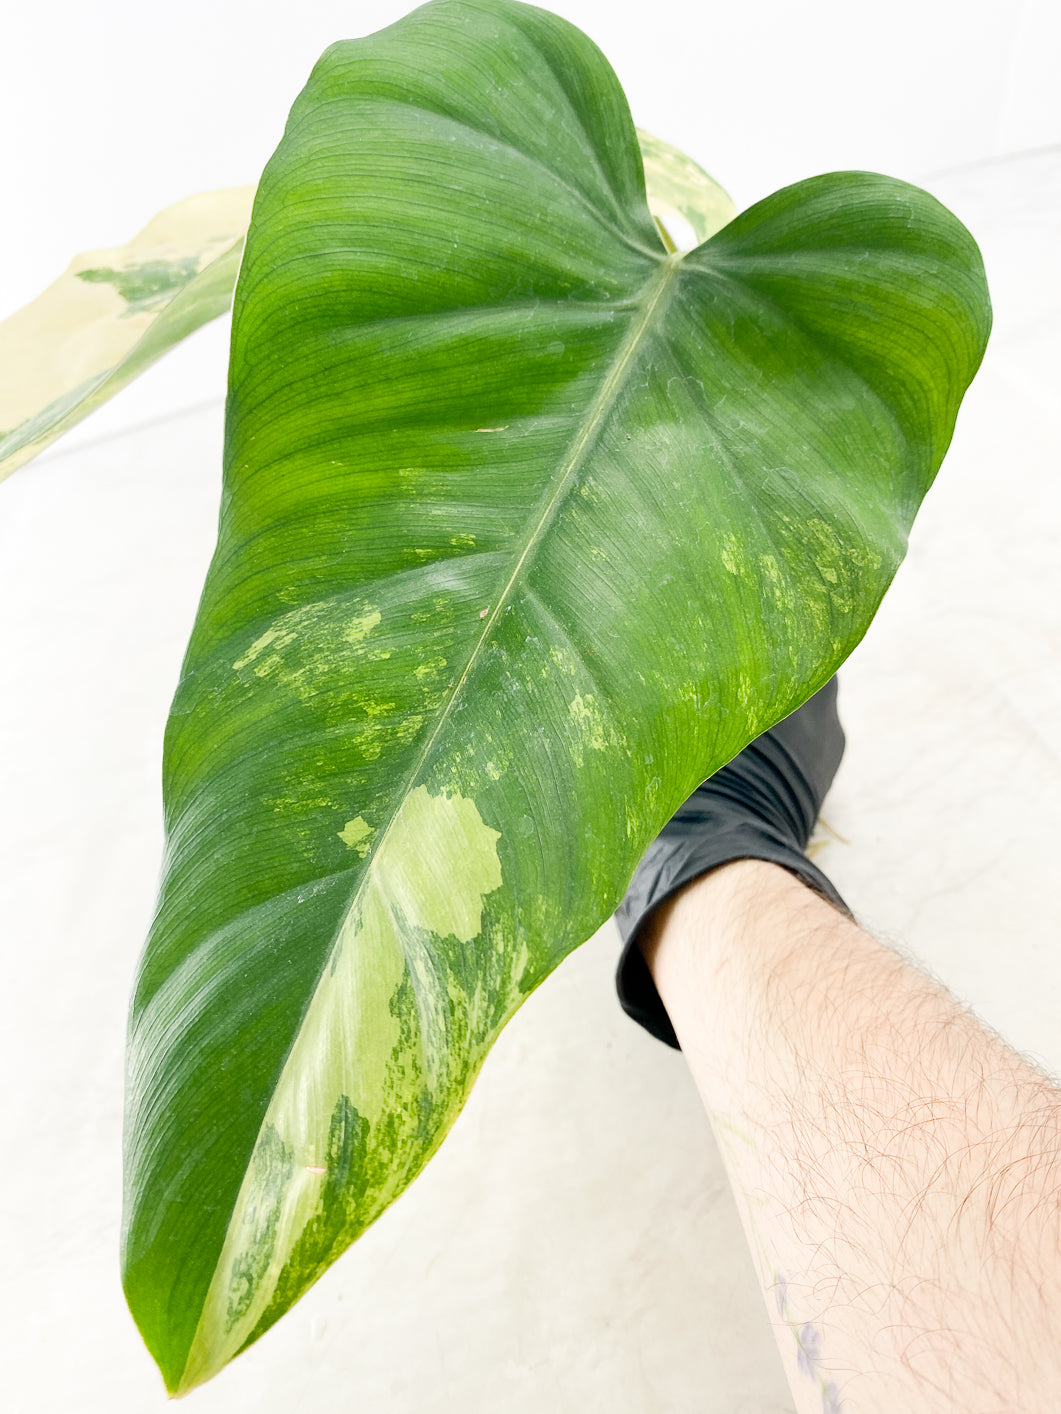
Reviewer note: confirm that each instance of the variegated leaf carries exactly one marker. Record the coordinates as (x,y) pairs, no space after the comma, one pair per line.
(527,526)
(111,315)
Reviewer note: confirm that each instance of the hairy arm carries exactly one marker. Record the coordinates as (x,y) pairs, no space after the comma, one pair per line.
(897,1166)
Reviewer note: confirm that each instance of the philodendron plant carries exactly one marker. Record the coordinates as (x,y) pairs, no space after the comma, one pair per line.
(529,522)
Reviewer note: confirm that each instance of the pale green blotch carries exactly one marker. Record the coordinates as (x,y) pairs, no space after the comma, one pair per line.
(734,558)
(565,660)
(265,655)
(272,1173)
(356,834)
(439,863)
(406,730)
(270,636)
(781,589)
(838,564)
(362,626)
(431,871)
(430,668)
(772,571)
(147,286)
(592,726)
(827,549)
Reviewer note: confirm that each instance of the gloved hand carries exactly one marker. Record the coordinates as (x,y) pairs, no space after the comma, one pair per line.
(761,805)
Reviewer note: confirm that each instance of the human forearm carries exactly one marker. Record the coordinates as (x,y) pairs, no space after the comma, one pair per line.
(897,1167)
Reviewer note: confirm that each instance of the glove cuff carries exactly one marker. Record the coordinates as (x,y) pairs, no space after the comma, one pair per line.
(669,865)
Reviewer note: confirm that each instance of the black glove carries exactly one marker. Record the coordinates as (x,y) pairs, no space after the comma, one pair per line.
(761,805)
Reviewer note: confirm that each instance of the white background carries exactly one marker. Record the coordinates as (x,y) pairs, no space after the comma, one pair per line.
(573,1246)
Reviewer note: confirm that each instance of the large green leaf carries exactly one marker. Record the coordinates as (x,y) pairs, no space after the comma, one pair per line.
(115,312)
(527,526)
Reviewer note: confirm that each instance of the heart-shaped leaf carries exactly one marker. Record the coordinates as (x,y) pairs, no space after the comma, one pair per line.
(527,526)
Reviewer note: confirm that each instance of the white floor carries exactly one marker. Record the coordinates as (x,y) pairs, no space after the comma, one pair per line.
(573,1247)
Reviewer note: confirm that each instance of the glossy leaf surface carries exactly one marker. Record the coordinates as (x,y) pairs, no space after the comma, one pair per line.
(527,526)
(115,312)
(111,315)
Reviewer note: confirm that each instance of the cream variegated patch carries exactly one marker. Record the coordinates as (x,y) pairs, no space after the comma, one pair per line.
(677,186)
(357,834)
(430,874)
(592,726)
(112,314)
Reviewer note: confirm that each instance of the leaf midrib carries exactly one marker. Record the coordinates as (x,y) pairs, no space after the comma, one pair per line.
(651,302)
(656,287)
